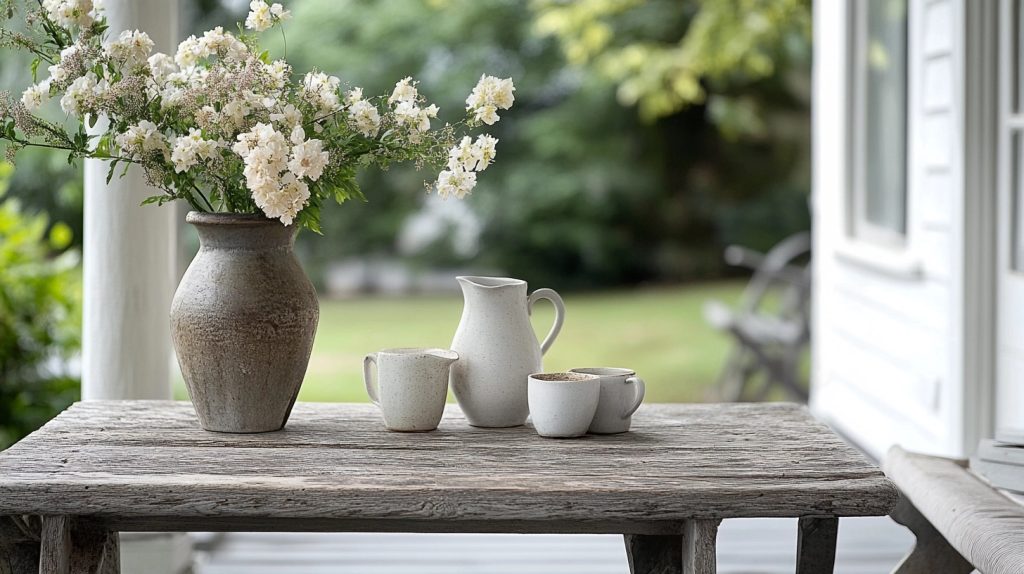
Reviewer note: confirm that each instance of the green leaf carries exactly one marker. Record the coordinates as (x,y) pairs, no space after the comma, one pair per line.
(110,172)
(60,236)
(35,70)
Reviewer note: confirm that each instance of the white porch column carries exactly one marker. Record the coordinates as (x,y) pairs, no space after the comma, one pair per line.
(128,255)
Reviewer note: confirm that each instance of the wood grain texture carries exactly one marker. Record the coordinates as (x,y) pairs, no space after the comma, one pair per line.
(55,552)
(816,544)
(699,547)
(985,527)
(148,464)
(931,552)
(654,554)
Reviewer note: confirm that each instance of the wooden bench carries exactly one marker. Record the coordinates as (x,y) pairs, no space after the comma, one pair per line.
(960,522)
(104,467)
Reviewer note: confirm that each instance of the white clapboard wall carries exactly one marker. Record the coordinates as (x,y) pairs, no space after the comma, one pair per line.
(896,329)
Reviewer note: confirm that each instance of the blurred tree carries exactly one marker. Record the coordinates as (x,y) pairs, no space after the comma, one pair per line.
(662,52)
(39,317)
(584,194)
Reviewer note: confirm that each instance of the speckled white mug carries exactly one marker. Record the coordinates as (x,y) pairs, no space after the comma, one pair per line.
(622,393)
(563,404)
(411,386)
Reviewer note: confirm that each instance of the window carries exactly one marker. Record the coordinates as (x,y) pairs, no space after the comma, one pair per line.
(1012,120)
(879,182)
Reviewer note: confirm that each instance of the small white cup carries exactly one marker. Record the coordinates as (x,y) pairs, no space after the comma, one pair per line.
(563,404)
(622,393)
(411,386)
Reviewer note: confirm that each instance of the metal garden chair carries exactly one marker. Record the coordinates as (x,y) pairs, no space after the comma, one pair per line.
(770,326)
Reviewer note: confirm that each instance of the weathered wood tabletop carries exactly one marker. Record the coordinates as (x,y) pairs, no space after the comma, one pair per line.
(147,465)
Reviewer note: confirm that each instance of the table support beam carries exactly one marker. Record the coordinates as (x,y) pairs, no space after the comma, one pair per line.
(816,544)
(693,552)
(57,545)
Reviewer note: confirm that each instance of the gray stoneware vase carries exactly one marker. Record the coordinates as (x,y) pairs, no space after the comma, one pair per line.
(242,322)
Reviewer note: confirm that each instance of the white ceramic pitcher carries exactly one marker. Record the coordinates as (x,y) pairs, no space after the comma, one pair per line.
(498,350)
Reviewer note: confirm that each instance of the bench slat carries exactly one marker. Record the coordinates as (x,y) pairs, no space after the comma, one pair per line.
(981,524)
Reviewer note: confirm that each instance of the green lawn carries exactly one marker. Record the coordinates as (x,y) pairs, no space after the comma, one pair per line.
(659,332)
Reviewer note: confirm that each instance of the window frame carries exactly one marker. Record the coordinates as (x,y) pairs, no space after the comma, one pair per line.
(859,227)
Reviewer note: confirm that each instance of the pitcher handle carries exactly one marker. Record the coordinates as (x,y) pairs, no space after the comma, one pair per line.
(371,389)
(556,300)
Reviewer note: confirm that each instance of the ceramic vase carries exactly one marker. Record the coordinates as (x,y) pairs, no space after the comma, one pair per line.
(242,323)
(498,349)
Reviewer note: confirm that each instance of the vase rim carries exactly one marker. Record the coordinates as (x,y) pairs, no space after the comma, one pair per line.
(242,219)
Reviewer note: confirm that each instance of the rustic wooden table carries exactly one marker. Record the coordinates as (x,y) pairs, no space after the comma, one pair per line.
(104,467)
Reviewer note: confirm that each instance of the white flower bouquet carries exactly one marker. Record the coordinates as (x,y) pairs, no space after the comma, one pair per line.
(223,126)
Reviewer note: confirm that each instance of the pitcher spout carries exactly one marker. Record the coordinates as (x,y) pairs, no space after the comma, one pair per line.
(488,282)
(446,356)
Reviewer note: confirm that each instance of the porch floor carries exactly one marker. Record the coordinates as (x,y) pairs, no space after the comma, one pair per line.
(745,546)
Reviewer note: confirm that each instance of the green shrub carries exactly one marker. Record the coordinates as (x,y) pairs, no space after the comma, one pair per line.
(40,302)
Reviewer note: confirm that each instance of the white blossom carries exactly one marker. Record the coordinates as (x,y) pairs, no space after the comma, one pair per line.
(34,96)
(321,91)
(490,95)
(188,150)
(131,47)
(353,96)
(417,118)
(279,12)
(464,156)
(235,111)
(217,42)
(189,52)
(161,66)
(78,94)
(278,70)
(141,138)
(289,116)
(487,150)
(472,156)
(58,73)
(405,91)
(365,118)
(260,18)
(264,151)
(458,183)
(286,201)
(308,158)
(68,13)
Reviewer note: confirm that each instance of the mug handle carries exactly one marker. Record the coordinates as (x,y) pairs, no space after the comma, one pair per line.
(371,388)
(556,300)
(640,390)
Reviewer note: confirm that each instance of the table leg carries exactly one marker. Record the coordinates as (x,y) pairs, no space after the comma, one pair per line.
(71,546)
(816,544)
(693,552)
(699,547)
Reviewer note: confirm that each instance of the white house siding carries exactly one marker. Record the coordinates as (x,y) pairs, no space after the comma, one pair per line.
(888,322)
